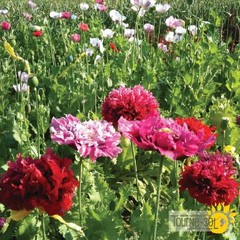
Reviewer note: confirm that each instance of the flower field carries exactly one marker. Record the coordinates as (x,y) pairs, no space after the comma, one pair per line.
(114,114)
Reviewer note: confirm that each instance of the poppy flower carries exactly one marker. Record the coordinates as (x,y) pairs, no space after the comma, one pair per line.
(148,27)
(160,134)
(75,37)
(113,47)
(37,33)
(131,103)
(84,6)
(162,8)
(5,26)
(46,183)
(107,33)
(173,22)
(211,179)
(116,16)
(101,7)
(32,4)
(204,132)
(91,139)
(83,27)
(65,15)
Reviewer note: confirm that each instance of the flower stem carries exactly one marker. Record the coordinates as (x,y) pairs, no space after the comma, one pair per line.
(135,170)
(176,178)
(43,227)
(158,197)
(80,192)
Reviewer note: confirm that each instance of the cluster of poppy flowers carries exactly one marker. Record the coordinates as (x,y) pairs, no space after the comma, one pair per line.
(48,183)
(134,112)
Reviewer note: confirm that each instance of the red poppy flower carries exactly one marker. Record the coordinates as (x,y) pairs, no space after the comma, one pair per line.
(210,180)
(83,27)
(132,104)
(204,132)
(37,33)
(113,47)
(47,183)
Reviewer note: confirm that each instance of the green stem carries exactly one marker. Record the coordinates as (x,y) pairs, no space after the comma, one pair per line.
(43,227)
(158,197)
(135,170)
(38,127)
(223,139)
(176,178)
(80,192)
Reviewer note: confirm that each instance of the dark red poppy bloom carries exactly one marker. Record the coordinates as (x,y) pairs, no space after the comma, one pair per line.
(113,47)
(211,179)
(132,104)
(46,183)
(37,33)
(204,132)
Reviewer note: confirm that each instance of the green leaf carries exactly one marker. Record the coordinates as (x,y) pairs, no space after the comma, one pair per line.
(144,221)
(28,228)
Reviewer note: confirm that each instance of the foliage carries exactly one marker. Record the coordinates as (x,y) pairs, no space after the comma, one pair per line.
(199,76)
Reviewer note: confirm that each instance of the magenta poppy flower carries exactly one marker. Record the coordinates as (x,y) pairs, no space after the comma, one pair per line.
(5,26)
(163,135)
(65,15)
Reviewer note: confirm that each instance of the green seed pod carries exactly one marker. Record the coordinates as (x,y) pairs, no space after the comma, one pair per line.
(224,123)
(34,82)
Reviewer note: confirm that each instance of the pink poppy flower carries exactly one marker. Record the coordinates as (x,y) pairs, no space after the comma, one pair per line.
(102,7)
(162,135)
(91,139)
(63,130)
(32,4)
(27,15)
(5,26)
(97,139)
(173,22)
(75,37)
(148,27)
